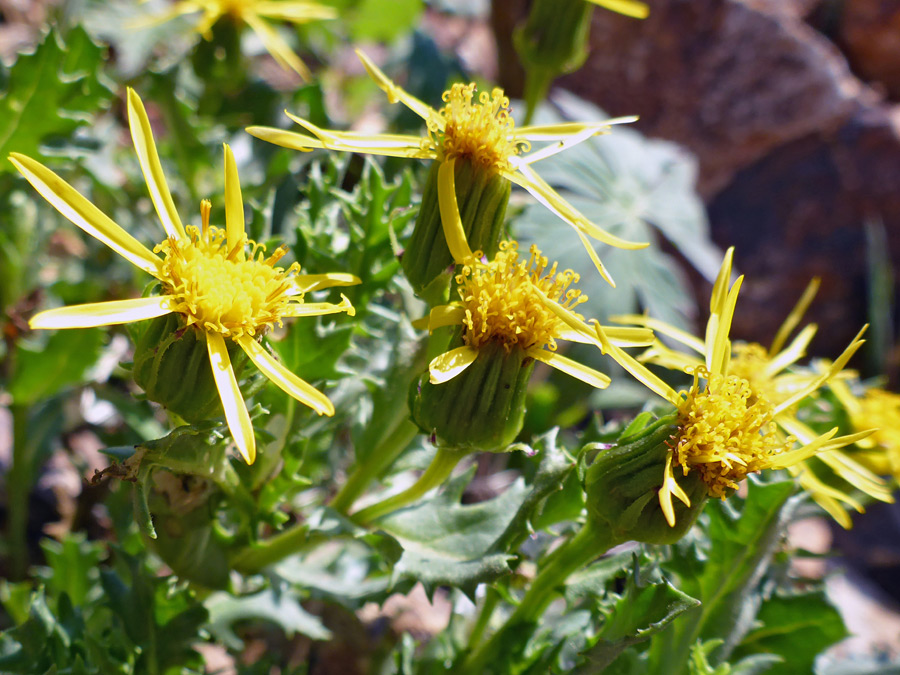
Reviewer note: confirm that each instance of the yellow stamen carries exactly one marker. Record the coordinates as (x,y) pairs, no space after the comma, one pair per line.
(482,132)
(502,299)
(727,432)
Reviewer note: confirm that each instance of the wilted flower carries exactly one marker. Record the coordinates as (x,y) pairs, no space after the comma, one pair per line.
(208,278)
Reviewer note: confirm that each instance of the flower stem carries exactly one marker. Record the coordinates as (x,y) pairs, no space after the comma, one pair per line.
(589,543)
(437,472)
(381,457)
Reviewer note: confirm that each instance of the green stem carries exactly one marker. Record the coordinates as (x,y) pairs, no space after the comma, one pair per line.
(287,543)
(491,597)
(381,457)
(437,472)
(589,543)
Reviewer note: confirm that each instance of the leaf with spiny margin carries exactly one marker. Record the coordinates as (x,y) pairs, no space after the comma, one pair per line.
(646,607)
(51,93)
(280,608)
(795,629)
(447,543)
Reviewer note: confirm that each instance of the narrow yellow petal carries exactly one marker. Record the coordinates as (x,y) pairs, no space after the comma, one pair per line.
(276,46)
(142,136)
(846,398)
(629,336)
(720,287)
(234,207)
(661,355)
(561,145)
(102,313)
(661,327)
(592,377)
(69,202)
(320,308)
(527,178)
(558,132)
(636,10)
(669,487)
(592,254)
(286,139)
(236,415)
(284,378)
(638,370)
(445,315)
(857,475)
(450,218)
(795,315)
(396,93)
(720,348)
(832,370)
(794,352)
(448,365)
(307,283)
(826,496)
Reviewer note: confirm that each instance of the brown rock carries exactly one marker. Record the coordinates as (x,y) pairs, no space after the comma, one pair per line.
(729,79)
(801,212)
(869,32)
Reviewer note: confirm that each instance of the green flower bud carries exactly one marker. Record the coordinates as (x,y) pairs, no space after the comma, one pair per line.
(171,364)
(481,408)
(623,484)
(482,195)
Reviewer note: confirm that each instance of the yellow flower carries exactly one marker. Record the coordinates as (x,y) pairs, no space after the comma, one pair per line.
(207,276)
(255,13)
(878,409)
(765,372)
(479,129)
(516,304)
(728,429)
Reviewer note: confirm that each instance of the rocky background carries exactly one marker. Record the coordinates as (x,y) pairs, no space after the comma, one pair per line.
(791,109)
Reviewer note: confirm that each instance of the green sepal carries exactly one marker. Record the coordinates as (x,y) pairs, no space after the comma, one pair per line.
(482,196)
(171,365)
(623,482)
(483,407)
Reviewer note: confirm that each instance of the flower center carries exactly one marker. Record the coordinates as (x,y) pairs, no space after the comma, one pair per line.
(726,432)
(222,290)
(749,362)
(502,300)
(482,132)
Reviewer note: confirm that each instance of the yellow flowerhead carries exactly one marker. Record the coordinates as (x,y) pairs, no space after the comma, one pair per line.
(479,129)
(207,275)
(256,14)
(878,409)
(519,303)
(729,424)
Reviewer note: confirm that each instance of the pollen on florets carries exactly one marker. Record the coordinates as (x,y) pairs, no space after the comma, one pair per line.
(232,292)
(727,432)
(482,132)
(502,299)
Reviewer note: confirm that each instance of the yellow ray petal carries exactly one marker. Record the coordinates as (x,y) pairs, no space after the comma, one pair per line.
(795,315)
(445,315)
(826,496)
(236,415)
(720,287)
(307,283)
(234,207)
(448,365)
(796,351)
(142,136)
(632,8)
(393,145)
(294,12)
(560,146)
(276,46)
(638,370)
(661,327)
(592,377)
(450,218)
(286,139)
(829,373)
(284,378)
(628,336)
(557,132)
(846,398)
(718,346)
(669,487)
(527,178)
(320,308)
(102,313)
(396,93)
(69,202)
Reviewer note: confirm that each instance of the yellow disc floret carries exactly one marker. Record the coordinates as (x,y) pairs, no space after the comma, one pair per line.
(502,302)
(482,132)
(726,432)
(227,292)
